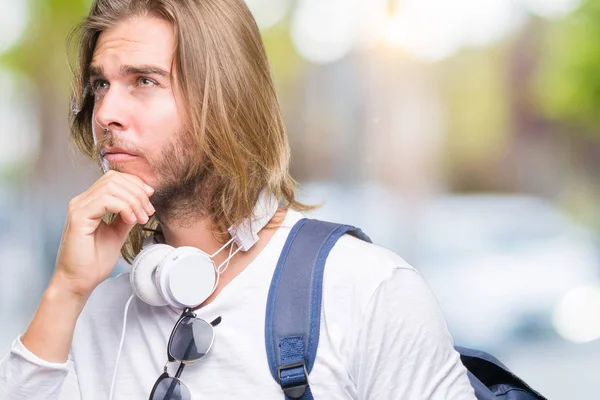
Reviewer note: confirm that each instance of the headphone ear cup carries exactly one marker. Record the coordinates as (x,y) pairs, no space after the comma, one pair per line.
(142,273)
(186,277)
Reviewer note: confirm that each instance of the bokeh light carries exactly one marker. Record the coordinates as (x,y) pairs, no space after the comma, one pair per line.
(576,316)
(13,22)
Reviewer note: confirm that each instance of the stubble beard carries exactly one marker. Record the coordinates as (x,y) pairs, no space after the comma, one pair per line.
(179,199)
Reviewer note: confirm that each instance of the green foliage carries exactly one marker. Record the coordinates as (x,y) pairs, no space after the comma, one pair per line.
(568,82)
(475,88)
(284,61)
(41,53)
(40,56)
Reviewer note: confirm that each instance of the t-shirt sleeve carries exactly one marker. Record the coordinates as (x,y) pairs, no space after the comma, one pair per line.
(23,375)
(404,349)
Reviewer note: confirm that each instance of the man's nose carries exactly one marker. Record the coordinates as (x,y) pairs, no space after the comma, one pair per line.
(111,110)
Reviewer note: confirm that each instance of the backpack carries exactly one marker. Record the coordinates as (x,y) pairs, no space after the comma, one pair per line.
(294,311)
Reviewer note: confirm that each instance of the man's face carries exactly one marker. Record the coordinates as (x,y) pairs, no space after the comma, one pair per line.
(130,75)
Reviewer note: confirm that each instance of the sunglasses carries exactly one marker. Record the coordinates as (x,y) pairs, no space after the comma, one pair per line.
(191,339)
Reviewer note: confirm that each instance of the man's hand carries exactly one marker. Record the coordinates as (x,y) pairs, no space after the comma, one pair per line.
(90,247)
(88,251)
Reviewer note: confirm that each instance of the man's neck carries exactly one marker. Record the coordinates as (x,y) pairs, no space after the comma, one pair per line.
(200,235)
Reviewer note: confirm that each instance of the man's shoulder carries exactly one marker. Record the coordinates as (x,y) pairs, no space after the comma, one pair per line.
(355,269)
(351,255)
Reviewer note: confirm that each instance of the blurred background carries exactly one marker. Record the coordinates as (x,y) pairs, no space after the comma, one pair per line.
(463,135)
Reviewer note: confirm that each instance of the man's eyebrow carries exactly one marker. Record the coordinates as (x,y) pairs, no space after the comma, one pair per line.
(143,70)
(98,71)
(95,71)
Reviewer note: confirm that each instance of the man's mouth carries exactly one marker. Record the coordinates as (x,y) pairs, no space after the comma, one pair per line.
(117,154)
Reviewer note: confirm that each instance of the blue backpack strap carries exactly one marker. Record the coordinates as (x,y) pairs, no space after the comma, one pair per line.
(293,316)
(492,380)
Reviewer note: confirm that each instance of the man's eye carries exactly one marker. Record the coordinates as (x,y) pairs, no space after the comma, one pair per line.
(99,85)
(145,82)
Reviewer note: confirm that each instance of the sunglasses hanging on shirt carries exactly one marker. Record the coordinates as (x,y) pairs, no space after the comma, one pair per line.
(191,339)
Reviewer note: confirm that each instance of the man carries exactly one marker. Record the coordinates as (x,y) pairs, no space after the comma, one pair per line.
(175,99)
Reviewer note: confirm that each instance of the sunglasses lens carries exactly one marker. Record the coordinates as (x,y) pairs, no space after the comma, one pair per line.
(171,389)
(191,340)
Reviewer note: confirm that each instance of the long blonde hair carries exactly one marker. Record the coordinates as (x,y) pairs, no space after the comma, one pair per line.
(231,105)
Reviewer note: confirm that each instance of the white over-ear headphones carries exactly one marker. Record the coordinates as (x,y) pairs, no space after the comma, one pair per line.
(186,276)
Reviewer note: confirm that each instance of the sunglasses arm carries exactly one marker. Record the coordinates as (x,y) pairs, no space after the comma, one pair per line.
(179,370)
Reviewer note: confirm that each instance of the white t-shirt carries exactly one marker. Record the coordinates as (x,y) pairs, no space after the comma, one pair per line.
(382,337)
